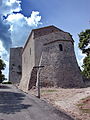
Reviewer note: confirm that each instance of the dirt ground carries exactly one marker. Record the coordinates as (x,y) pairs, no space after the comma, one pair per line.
(75,102)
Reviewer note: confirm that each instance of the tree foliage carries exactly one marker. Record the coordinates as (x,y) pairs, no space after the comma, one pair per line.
(84,38)
(2,67)
(84,45)
(86,66)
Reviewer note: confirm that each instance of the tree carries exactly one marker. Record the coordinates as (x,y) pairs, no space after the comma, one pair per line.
(84,45)
(2,67)
(86,66)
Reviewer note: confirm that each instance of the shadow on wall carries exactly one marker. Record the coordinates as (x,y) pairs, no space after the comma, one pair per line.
(11,102)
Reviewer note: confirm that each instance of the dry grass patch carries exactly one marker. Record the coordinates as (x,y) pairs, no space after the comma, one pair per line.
(48,91)
(84,105)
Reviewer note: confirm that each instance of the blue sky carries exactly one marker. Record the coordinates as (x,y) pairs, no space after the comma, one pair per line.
(71,15)
(21,16)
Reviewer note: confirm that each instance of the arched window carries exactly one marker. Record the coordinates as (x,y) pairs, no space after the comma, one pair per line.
(60,47)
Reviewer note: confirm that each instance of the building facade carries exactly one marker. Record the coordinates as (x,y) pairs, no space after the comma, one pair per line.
(53,49)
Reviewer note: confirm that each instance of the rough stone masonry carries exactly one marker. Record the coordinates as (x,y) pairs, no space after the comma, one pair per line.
(15,65)
(54,49)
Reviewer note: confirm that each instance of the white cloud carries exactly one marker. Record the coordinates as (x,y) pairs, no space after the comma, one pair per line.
(2,50)
(34,19)
(14,17)
(21,26)
(9,6)
(16,24)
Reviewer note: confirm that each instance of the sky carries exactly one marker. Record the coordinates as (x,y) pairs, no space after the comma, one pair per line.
(19,17)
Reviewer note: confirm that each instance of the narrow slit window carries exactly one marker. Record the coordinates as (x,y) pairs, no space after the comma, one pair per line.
(60,47)
(30,51)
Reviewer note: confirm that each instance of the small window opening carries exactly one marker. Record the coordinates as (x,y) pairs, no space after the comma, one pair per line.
(30,51)
(60,47)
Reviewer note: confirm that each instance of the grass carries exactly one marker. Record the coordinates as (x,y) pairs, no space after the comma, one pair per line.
(86,110)
(48,91)
(85,98)
(80,105)
(84,105)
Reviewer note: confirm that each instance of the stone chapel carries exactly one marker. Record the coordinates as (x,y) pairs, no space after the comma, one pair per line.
(53,49)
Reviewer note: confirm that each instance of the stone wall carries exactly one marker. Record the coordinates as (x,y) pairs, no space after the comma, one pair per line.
(49,38)
(60,67)
(28,62)
(15,65)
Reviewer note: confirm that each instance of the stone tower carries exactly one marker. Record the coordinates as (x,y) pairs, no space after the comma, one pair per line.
(60,64)
(54,49)
(15,65)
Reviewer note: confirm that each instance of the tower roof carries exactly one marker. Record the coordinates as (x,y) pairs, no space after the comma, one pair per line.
(45,30)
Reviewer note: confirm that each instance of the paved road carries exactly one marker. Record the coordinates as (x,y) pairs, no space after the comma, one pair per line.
(16,105)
